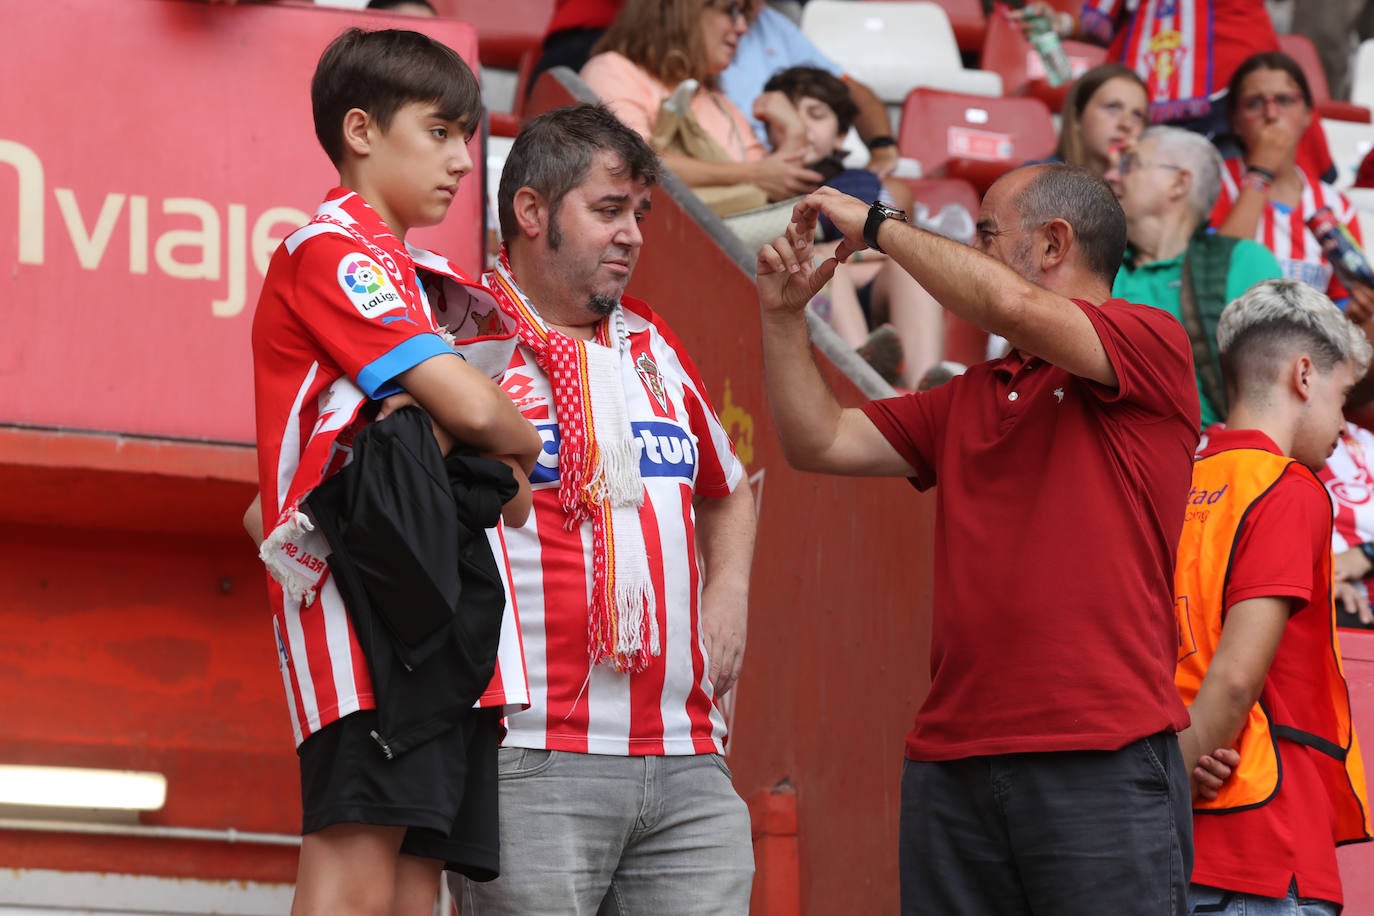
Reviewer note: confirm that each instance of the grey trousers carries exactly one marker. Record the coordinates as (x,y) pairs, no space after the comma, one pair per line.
(585,834)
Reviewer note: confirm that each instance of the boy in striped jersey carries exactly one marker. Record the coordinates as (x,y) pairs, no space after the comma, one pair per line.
(344,322)
(614,792)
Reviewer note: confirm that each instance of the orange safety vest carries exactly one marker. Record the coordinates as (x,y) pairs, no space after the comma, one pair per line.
(1226,486)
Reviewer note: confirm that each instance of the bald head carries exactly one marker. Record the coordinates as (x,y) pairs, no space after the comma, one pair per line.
(1026,199)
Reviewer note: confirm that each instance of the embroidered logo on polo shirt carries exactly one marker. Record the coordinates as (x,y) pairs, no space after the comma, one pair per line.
(367,287)
(1058,395)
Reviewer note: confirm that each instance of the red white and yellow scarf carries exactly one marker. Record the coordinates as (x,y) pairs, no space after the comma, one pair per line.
(598,472)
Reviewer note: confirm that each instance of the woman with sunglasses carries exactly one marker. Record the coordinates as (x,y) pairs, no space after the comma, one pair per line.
(1267,195)
(654,46)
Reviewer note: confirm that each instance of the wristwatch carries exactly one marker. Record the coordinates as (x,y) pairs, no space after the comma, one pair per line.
(876,214)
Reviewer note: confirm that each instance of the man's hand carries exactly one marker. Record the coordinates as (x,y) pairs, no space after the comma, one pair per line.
(883,161)
(1351,599)
(724,620)
(849,214)
(1360,308)
(782,175)
(1212,771)
(787,277)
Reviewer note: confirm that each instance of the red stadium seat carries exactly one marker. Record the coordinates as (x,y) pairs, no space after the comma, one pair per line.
(968,21)
(1008,53)
(936,193)
(1301,49)
(973,137)
(506,29)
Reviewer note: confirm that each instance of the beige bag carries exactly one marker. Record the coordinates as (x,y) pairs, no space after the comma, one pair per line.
(678,131)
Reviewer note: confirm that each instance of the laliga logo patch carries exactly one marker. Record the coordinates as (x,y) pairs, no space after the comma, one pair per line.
(366,285)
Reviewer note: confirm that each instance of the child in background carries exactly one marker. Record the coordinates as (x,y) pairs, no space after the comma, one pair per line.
(869,290)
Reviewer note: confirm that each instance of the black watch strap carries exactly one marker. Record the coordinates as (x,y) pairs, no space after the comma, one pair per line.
(879,213)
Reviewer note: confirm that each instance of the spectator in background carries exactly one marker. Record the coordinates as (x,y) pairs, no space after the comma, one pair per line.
(1259,664)
(1184,50)
(1267,195)
(1167,185)
(774,42)
(1348,478)
(870,289)
(1104,112)
(656,45)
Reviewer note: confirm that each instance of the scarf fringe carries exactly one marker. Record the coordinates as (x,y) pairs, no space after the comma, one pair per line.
(295,529)
(599,479)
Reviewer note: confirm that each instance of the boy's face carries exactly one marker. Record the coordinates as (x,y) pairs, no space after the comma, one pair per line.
(413,167)
(822,128)
(1322,420)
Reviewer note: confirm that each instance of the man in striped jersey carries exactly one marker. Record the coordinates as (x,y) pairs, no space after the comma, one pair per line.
(631,577)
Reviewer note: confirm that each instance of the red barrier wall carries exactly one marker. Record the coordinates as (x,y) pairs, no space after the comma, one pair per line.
(151,155)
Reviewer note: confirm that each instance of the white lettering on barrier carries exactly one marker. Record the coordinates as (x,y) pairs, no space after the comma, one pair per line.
(217,248)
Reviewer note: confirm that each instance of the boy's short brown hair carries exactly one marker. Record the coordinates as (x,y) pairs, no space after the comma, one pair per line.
(799,83)
(380,72)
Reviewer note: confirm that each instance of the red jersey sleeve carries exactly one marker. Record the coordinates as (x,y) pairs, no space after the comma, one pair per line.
(1153,359)
(1278,552)
(355,310)
(912,423)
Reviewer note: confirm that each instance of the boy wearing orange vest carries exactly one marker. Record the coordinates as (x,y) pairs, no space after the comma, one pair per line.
(1259,665)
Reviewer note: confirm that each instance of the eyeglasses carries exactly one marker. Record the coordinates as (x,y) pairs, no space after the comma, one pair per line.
(1257,104)
(1130,162)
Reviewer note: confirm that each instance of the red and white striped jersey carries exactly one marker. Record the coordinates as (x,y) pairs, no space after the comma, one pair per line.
(1347,478)
(341,315)
(1285,232)
(684,452)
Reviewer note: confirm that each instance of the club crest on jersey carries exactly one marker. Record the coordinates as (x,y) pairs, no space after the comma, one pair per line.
(367,287)
(653,381)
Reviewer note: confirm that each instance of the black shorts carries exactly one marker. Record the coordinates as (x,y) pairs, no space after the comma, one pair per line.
(444,791)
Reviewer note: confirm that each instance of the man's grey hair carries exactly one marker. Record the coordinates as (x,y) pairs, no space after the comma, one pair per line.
(1196,154)
(1086,203)
(1275,319)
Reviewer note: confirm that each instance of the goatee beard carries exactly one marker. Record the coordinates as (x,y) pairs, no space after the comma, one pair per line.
(602,305)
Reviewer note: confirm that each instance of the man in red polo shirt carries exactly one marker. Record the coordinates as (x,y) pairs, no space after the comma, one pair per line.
(1043,772)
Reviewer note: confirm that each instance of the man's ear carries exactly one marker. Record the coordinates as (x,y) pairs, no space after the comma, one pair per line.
(1301,373)
(531,213)
(1056,238)
(357,131)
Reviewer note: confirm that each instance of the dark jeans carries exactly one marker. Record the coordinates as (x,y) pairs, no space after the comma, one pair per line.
(1063,833)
